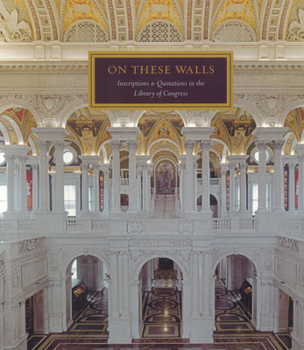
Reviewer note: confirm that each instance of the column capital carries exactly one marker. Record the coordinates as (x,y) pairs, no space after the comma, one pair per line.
(205,144)
(116,145)
(278,145)
(22,158)
(10,158)
(243,167)
(43,145)
(132,145)
(262,145)
(189,145)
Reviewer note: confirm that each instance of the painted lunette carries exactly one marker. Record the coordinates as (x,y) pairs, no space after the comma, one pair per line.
(113,76)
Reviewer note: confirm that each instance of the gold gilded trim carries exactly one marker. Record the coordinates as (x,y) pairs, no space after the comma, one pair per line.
(165,106)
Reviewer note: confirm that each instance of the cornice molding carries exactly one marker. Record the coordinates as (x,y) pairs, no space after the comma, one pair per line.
(81,67)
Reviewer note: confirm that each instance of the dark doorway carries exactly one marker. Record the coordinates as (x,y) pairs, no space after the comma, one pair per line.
(165,264)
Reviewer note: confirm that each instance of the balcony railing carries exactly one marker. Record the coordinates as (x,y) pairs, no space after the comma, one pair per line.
(212,182)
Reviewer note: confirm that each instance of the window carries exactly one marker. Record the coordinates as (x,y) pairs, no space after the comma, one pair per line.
(70,199)
(3,199)
(238,198)
(68,157)
(90,198)
(255,197)
(74,270)
(2,158)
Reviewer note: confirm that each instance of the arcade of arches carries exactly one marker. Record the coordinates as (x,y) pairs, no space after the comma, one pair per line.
(123,228)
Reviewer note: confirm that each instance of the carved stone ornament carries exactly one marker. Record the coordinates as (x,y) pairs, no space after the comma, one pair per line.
(50,106)
(288,244)
(135,226)
(301,277)
(2,262)
(271,105)
(30,244)
(185,227)
(296,28)
(10,29)
(268,262)
(199,118)
(15,277)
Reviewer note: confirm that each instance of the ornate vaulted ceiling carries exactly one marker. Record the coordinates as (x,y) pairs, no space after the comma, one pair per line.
(143,20)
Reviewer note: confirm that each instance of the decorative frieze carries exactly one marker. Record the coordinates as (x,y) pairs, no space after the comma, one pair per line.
(160,243)
(288,244)
(31,244)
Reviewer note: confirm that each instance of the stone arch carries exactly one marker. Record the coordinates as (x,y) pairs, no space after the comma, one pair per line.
(70,260)
(23,104)
(69,109)
(293,105)
(247,255)
(15,127)
(240,101)
(168,255)
(163,139)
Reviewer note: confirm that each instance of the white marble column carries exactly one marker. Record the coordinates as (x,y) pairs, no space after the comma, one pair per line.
(114,286)
(195,285)
(262,146)
(189,185)
(278,176)
(132,145)
(59,178)
(44,186)
(205,145)
(291,186)
(146,188)
(206,284)
(243,188)
(300,150)
(138,185)
(182,180)
(96,190)
(126,281)
(10,182)
(85,187)
(116,176)
(35,186)
(224,169)
(106,187)
(232,187)
(22,183)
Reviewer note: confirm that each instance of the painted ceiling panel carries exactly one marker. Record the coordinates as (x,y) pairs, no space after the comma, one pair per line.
(77,10)
(237,10)
(159,10)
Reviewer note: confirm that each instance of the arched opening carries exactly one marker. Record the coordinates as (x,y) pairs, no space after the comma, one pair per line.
(213,205)
(87,295)
(160,299)
(124,202)
(235,294)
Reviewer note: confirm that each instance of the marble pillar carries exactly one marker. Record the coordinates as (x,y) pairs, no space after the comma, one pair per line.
(278,176)
(132,145)
(116,176)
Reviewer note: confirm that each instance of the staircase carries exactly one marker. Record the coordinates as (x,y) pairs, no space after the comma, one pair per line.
(164,207)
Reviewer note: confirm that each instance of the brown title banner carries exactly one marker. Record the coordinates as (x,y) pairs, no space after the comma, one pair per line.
(179,80)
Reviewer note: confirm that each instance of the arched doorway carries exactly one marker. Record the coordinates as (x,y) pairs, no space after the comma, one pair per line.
(235,294)
(87,295)
(160,286)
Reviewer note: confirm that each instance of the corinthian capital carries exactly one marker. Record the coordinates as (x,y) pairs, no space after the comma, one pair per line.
(278,145)
(43,146)
(205,144)
(189,145)
(262,145)
(116,145)
(132,145)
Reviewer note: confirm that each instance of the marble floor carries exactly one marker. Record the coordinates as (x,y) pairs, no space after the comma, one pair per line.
(161,309)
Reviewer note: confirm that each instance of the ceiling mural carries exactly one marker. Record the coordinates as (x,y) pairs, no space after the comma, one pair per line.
(234,128)
(10,130)
(24,119)
(29,20)
(159,10)
(163,145)
(295,122)
(163,154)
(241,10)
(77,10)
(159,125)
(88,129)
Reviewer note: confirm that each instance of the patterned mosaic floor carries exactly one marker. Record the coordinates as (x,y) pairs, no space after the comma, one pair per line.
(162,309)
